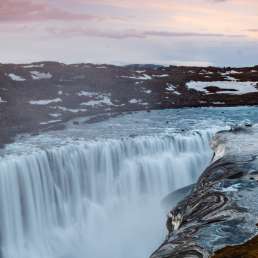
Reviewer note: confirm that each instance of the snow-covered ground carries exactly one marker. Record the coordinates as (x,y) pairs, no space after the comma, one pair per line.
(16,77)
(226,87)
(45,101)
(35,75)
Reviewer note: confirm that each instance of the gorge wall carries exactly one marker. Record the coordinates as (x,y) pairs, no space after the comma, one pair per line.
(219,217)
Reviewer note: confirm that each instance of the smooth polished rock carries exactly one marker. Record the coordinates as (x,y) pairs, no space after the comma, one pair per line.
(222,209)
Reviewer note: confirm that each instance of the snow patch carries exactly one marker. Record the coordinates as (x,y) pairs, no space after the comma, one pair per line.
(227,87)
(44,101)
(35,75)
(34,66)
(86,94)
(160,75)
(230,78)
(218,103)
(142,77)
(55,114)
(16,77)
(72,110)
(102,100)
(172,88)
(2,101)
(148,91)
(206,72)
(138,101)
(230,73)
(101,67)
(50,122)
(134,101)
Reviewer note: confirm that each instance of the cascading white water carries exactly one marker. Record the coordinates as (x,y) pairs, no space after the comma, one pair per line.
(94,199)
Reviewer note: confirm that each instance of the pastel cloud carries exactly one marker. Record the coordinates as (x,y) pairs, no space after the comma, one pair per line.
(26,10)
(206,31)
(125,34)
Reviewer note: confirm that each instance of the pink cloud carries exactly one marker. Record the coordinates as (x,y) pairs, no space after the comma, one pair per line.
(125,34)
(28,10)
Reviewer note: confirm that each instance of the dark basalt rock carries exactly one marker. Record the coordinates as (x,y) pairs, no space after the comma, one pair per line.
(176,196)
(222,209)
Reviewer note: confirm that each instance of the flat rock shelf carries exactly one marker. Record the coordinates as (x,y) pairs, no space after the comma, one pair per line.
(219,216)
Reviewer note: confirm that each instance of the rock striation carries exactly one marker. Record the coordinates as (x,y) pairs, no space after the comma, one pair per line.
(219,217)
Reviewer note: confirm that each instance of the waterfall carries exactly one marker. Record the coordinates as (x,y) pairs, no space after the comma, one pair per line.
(94,199)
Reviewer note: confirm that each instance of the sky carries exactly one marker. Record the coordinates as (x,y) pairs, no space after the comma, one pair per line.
(181,32)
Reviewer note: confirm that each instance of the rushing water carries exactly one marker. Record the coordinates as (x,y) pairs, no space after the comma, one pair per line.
(95,198)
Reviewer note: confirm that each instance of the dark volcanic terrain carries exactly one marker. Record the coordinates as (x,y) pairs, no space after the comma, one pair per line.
(41,96)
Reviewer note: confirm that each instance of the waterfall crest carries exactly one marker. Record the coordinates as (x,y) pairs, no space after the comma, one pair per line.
(71,201)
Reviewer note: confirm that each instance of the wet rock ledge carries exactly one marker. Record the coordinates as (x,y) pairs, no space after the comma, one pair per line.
(219,217)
